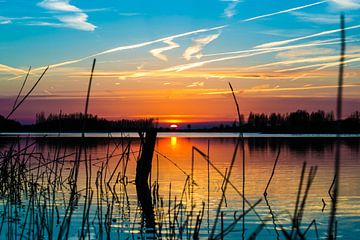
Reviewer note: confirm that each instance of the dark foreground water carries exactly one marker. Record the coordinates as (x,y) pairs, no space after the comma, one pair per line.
(101,202)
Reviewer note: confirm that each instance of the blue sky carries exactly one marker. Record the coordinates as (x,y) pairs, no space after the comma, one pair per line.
(189,48)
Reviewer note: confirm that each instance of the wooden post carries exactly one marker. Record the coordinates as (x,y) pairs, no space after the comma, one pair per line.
(143,169)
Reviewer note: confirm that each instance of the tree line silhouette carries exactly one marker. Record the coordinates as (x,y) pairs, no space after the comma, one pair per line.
(299,121)
(73,122)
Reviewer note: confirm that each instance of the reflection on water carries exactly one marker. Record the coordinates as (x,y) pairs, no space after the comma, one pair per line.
(173,192)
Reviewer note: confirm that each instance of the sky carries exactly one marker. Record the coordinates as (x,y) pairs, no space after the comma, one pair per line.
(173,60)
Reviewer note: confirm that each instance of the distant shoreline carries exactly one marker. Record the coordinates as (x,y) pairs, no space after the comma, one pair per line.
(180,134)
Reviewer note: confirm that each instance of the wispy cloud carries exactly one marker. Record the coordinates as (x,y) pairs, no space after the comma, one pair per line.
(284,42)
(278,89)
(319,18)
(196,84)
(77,21)
(200,43)
(346,4)
(284,11)
(157,52)
(3,22)
(12,70)
(9,20)
(297,61)
(59,5)
(299,53)
(129,14)
(71,16)
(253,52)
(230,10)
(127,47)
(245,53)
(322,66)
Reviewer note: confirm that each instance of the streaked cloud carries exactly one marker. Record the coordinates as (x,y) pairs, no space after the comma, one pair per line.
(297,61)
(157,52)
(9,20)
(300,53)
(3,22)
(200,43)
(196,84)
(77,21)
(11,70)
(129,14)
(278,89)
(319,18)
(230,10)
(346,4)
(322,66)
(248,53)
(245,54)
(284,42)
(129,47)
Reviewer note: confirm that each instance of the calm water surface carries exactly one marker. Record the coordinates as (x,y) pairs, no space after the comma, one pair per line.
(175,160)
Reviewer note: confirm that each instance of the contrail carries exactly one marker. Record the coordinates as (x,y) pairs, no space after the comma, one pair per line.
(303,60)
(279,89)
(322,65)
(279,43)
(128,47)
(283,11)
(248,53)
(139,45)
(263,51)
(11,70)
(325,42)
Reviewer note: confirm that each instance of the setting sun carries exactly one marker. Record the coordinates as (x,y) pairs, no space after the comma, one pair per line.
(174,126)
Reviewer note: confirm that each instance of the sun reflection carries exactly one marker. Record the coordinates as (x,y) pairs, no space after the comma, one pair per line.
(173,141)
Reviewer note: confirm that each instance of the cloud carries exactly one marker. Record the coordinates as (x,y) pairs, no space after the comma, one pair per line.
(59,5)
(157,52)
(129,14)
(10,20)
(297,61)
(77,21)
(230,11)
(284,42)
(245,54)
(12,70)
(285,11)
(74,18)
(278,89)
(200,43)
(196,84)
(3,22)
(299,53)
(346,4)
(248,53)
(322,65)
(319,18)
(127,47)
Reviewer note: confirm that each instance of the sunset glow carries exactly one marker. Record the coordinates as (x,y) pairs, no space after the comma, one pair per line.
(172,62)
(181,119)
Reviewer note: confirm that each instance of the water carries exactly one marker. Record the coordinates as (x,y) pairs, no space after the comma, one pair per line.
(172,166)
